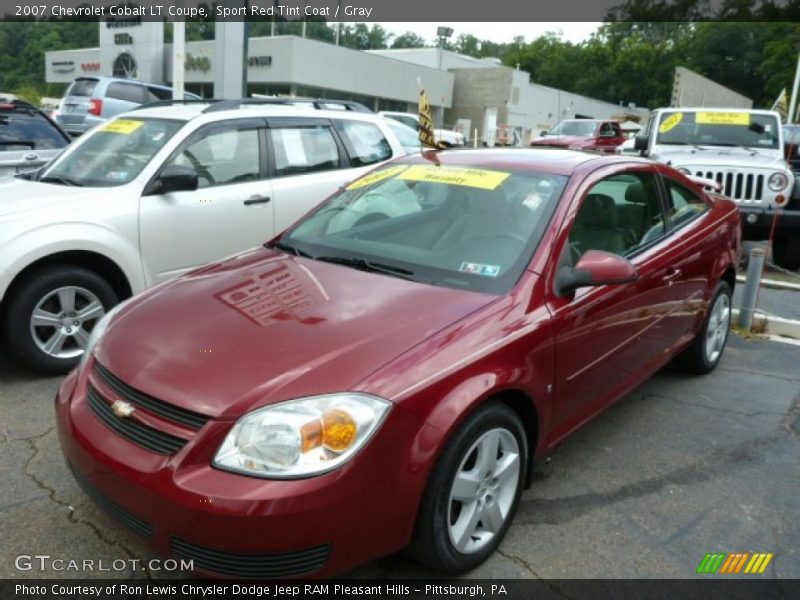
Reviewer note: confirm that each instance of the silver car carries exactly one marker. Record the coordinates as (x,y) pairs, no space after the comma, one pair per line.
(28,138)
(93,100)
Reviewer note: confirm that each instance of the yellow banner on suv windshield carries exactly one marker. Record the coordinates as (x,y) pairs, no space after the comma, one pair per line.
(477,178)
(722,118)
(376,177)
(123,126)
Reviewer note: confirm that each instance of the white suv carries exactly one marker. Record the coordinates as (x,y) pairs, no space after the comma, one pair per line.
(157,192)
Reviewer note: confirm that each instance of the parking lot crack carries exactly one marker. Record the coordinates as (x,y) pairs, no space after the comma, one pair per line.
(760,374)
(52,495)
(791,420)
(519,561)
(713,408)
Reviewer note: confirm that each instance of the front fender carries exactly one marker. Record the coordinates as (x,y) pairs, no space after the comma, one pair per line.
(32,245)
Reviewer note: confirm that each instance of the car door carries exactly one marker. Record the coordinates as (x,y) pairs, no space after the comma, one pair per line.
(231,210)
(307,163)
(604,335)
(696,246)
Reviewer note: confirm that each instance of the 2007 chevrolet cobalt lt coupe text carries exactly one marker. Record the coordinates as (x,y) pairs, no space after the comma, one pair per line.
(370,382)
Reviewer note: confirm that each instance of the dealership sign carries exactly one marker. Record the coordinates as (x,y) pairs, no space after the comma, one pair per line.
(63,66)
(90,66)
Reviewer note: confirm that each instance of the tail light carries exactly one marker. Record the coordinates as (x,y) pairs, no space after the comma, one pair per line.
(95,107)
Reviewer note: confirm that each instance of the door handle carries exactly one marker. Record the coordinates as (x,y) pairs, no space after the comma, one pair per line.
(672,275)
(257,200)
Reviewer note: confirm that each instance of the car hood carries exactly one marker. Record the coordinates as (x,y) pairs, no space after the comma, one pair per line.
(265,327)
(719,157)
(20,196)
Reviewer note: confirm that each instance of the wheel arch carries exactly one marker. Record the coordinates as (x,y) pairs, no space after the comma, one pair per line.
(98,263)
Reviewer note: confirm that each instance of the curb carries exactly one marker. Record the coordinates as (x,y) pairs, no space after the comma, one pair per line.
(774,326)
(773,284)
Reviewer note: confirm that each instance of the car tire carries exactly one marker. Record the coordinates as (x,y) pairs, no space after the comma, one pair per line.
(786,252)
(70,293)
(450,533)
(705,352)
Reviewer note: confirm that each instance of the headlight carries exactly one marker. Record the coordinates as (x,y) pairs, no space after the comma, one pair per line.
(301,438)
(777,181)
(97,332)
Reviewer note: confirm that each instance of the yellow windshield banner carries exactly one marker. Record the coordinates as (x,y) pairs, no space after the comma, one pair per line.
(123,126)
(477,178)
(722,118)
(670,122)
(376,177)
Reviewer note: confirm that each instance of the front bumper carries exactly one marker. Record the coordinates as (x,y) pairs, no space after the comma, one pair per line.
(757,222)
(231,525)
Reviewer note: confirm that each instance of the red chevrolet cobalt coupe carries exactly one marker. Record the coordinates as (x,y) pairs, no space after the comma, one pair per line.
(384,378)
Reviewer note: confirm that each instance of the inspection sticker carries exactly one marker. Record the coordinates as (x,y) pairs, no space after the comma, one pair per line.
(722,118)
(123,126)
(477,178)
(670,122)
(479,269)
(376,177)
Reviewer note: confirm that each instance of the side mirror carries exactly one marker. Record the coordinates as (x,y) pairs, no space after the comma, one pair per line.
(174,178)
(595,268)
(640,143)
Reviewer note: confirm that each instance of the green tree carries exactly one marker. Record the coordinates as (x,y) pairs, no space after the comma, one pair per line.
(408,40)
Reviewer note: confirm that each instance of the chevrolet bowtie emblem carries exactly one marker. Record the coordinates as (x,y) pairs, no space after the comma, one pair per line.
(122,409)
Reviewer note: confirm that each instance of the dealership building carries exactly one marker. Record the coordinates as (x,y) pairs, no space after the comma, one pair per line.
(473,95)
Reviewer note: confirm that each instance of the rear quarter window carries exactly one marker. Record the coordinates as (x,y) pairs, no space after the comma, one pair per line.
(366,143)
(126,91)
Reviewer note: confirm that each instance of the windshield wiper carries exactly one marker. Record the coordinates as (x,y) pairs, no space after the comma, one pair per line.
(365,265)
(62,179)
(288,248)
(30,145)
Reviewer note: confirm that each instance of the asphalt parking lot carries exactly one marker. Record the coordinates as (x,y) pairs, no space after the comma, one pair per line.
(681,467)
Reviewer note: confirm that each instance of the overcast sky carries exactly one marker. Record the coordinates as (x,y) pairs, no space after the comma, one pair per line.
(498,32)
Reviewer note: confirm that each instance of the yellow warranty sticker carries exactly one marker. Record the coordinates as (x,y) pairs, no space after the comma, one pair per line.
(477,178)
(123,126)
(376,177)
(670,122)
(722,118)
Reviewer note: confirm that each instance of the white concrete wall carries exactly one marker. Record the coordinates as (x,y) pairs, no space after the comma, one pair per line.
(692,89)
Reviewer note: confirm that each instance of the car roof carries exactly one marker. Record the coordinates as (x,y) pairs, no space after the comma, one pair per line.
(195,110)
(105,78)
(715,109)
(548,160)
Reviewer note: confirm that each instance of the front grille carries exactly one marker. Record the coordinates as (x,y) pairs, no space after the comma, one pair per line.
(138,433)
(131,521)
(153,405)
(285,564)
(739,186)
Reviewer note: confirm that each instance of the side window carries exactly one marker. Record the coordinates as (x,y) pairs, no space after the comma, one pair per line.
(154,94)
(683,204)
(615,129)
(621,214)
(366,142)
(126,91)
(606,130)
(304,149)
(223,157)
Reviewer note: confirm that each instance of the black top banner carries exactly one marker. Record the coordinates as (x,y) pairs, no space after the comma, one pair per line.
(405,11)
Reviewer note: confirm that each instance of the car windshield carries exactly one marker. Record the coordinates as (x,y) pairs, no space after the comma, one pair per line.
(408,138)
(21,131)
(718,129)
(459,227)
(113,153)
(577,128)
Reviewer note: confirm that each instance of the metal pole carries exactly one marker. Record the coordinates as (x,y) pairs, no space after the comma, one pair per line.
(178,58)
(793,103)
(750,293)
